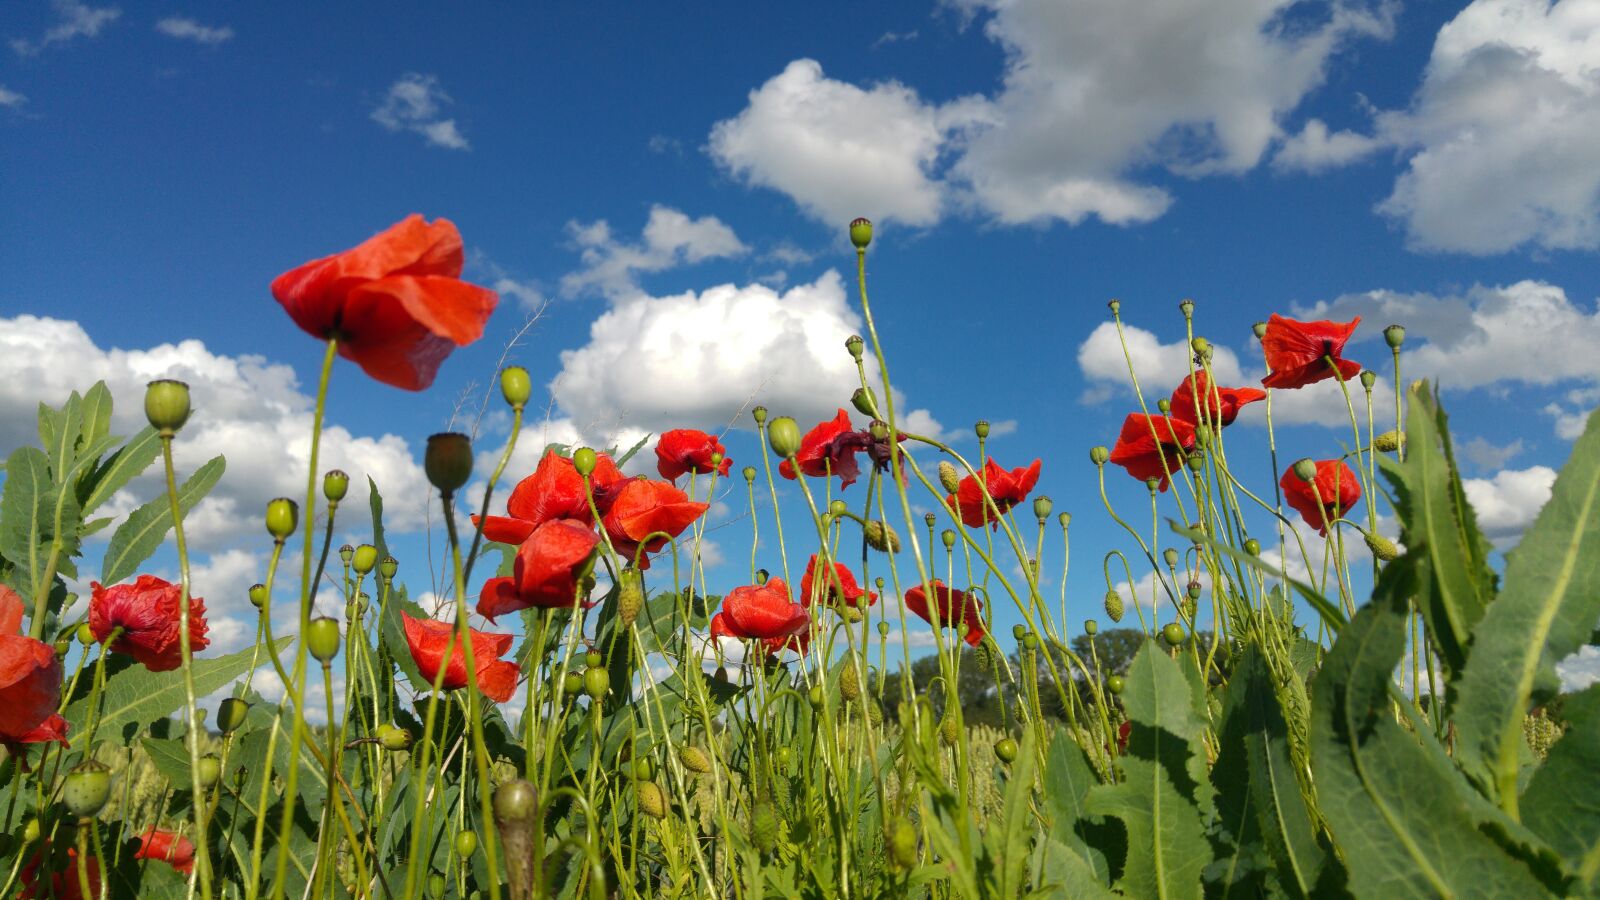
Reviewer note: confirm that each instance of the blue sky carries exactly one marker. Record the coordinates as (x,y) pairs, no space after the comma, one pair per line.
(1025,161)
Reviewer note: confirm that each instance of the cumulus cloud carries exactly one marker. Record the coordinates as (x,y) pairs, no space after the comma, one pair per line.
(670,239)
(1508,502)
(187,29)
(73,20)
(416,103)
(10,99)
(1581,669)
(1315,149)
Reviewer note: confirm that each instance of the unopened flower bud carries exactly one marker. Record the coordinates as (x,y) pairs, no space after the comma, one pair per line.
(630,595)
(209,770)
(883,629)
(1389,441)
(861,233)
(1115,684)
(1381,547)
(1114,606)
(282,517)
(448,461)
(258,596)
(694,759)
(366,556)
(515,386)
(1173,633)
(388,567)
(166,405)
(230,714)
(584,459)
(900,841)
(86,789)
(949,479)
(1099,455)
(322,638)
(466,843)
(1260,330)
(760,414)
(1305,469)
(1395,335)
(1041,508)
(856,346)
(652,802)
(881,537)
(784,436)
(950,729)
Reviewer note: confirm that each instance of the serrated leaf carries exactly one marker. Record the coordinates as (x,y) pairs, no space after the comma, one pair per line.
(171,758)
(26,506)
(1562,802)
(1066,875)
(121,467)
(96,413)
(65,430)
(134,541)
(1545,613)
(1067,780)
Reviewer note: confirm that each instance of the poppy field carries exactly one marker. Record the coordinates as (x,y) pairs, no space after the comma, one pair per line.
(1271,698)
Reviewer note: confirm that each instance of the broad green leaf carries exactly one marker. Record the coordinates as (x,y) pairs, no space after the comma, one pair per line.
(134,541)
(65,430)
(26,506)
(1562,803)
(121,467)
(1546,612)
(1066,875)
(96,413)
(1408,823)
(1159,798)
(1067,780)
(171,759)
(135,697)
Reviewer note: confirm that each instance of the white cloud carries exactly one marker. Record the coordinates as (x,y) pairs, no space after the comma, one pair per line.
(1508,503)
(1315,149)
(74,20)
(1580,670)
(1570,421)
(246,408)
(188,29)
(1501,132)
(11,99)
(670,239)
(415,103)
(1488,455)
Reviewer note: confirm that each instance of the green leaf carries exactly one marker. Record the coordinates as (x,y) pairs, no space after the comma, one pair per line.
(136,696)
(1017,820)
(1562,803)
(26,506)
(171,758)
(1408,823)
(121,467)
(1067,780)
(1067,875)
(96,413)
(66,428)
(1545,613)
(1164,775)
(134,541)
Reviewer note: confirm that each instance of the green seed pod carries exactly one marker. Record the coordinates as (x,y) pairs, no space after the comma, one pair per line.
(1006,750)
(282,517)
(166,405)
(764,826)
(515,801)
(815,697)
(948,536)
(366,557)
(652,802)
(1394,336)
(694,759)
(515,386)
(593,658)
(1170,555)
(1252,547)
(32,831)
(448,461)
(1114,305)
(388,567)
(466,843)
(1065,519)
(86,789)
(1173,634)
(1202,348)
(437,885)
(949,479)
(1194,590)
(1164,406)
(596,682)
(347,553)
(1018,632)
(1305,470)
(1368,378)
(838,508)
(322,638)
(883,629)
(1099,455)
(949,729)
(784,436)
(393,737)
(84,634)
(749,473)
(1115,684)
(584,459)
(644,769)
(1186,306)
(1091,627)
(572,684)
(855,345)
(335,484)
(1041,508)
(209,770)
(981,429)
(258,596)
(1114,606)
(1381,547)
(879,536)
(1202,437)
(759,414)
(860,233)
(865,402)
(1259,329)
(230,714)
(900,841)
(1389,441)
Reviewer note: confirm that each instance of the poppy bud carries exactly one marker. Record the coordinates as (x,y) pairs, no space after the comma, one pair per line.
(515,386)
(1091,627)
(437,884)
(209,770)
(1114,305)
(1305,469)
(949,729)
(230,715)
(1173,633)
(630,596)
(861,233)
(1368,378)
(881,537)
(466,843)
(948,477)
(749,474)
(1252,547)
(814,697)
(84,634)
(982,429)
(1201,348)
(1171,556)
(652,802)
(1005,750)
(784,436)
(1395,335)
(335,484)
(1389,441)
(883,629)
(1041,508)
(856,346)
(515,801)
(166,405)
(346,554)
(86,789)
(366,556)
(1114,606)
(849,681)
(1099,455)
(258,596)
(282,517)
(761,577)
(900,840)
(32,831)
(694,759)
(388,567)
(1381,547)
(764,826)
(322,638)
(760,414)
(949,538)
(596,682)
(584,460)
(1115,684)
(448,461)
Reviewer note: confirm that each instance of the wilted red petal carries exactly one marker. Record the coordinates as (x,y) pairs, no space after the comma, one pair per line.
(1296,351)
(169,847)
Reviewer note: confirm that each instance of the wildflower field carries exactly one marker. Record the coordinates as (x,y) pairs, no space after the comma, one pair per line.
(1213,725)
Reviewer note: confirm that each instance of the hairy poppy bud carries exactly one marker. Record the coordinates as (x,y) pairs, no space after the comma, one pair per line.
(1389,441)
(258,596)
(861,233)
(166,405)
(1091,627)
(1114,606)
(584,459)
(694,759)
(1041,508)
(1260,330)
(322,638)
(1186,306)
(230,714)
(366,556)
(1171,557)
(1381,547)
(515,386)
(1115,684)
(652,802)
(784,436)
(1368,378)
(466,843)
(760,414)
(900,840)
(981,429)
(209,770)
(879,536)
(335,484)
(1305,469)
(448,461)
(849,681)
(388,567)
(393,737)
(1099,455)
(856,346)
(764,826)
(346,554)
(1252,547)
(949,729)
(86,789)
(949,479)
(949,538)
(596,682)
(282,517)
(1114,305)
(630,595)
(1173,633)
(1006,750)
(749,473)
(1395,335)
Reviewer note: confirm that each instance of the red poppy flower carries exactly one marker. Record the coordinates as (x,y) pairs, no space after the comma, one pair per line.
(1138,450)
(30,675)
(1123,732)
(816,588)
(765,613)
(1337,489)
(62,883)
(553,491)
(641,507)
(147,613)
(169,847)
(1198,402)
(829,449)
(396,303)
(1296,350)
(687,450)
(546,571)
(427,638)
(1007,488)
(954,606)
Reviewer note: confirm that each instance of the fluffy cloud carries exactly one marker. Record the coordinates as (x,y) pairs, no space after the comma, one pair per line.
(1315,149)
(10,99)
(73,20)
(415,103)
(670,239)
(1508,503)
(189,30)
